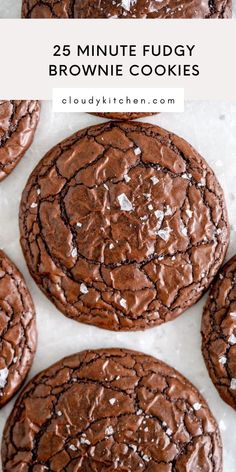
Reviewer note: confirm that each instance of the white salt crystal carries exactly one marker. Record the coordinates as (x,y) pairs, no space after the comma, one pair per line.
(109,431)
(112,401)
(137,150)
(83,288)
(127,178)
(232,339)
(189,213)
(159,214)
(123,303)
(72,447)
(222,360)
(233,384)
(197,406)
(3,377)
(154,180)
(164,233)
(125,204)
(74,252)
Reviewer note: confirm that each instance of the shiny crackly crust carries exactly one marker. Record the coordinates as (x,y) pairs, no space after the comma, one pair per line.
(18,122)
(122,116)
(218,332)
(126,9)
(108,410)
(118,269)
(17,329)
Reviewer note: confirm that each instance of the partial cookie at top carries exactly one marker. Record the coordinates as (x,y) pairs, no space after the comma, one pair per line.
(219,333)
(17,329)
(126,9)
(18,122)
(122,116)
(123,225)
(107,410)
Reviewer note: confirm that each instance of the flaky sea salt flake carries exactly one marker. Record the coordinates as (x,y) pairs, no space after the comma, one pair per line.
(168,211)
(189,213)
(127,178)
(109,431)
(123,302)
(222,360)
(233,384)
(197,406)
(3,377)
(112,401)
(154,180)
(232,339)
(164,233)
(125,204)
(159,214)
(137,150)
(72,447)
(74,252)
(85,441)
(83,288)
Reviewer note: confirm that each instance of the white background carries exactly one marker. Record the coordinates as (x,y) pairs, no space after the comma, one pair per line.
(211,128)
(12,8)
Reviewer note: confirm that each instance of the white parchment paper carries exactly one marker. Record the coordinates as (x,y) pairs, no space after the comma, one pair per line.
(211,128)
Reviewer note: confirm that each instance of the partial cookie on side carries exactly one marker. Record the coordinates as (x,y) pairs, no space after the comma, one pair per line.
(111,409)
(17,329)
(18,122)
(126,9)
(122,116)
(219,333)
(123,225)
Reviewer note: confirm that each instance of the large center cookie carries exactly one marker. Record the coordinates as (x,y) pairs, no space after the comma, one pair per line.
(126,9)
(219,333)
(17,329)
(123,225)
(111,410)
(18,122)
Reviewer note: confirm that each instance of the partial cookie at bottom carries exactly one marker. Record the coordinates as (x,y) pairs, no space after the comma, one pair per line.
(219,333)
(107,410)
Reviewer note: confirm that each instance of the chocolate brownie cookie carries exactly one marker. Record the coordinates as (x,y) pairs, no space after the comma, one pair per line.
(126,9)
(123,116)
(109,410)
(219,333)
(123,225)
(17,329)
(18,121)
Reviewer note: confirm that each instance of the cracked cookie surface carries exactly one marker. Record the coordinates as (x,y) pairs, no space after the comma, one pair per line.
(18,122)
(123,225)
(127,9)
(219,333)
(107,410)
(122,116)
(17,329)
